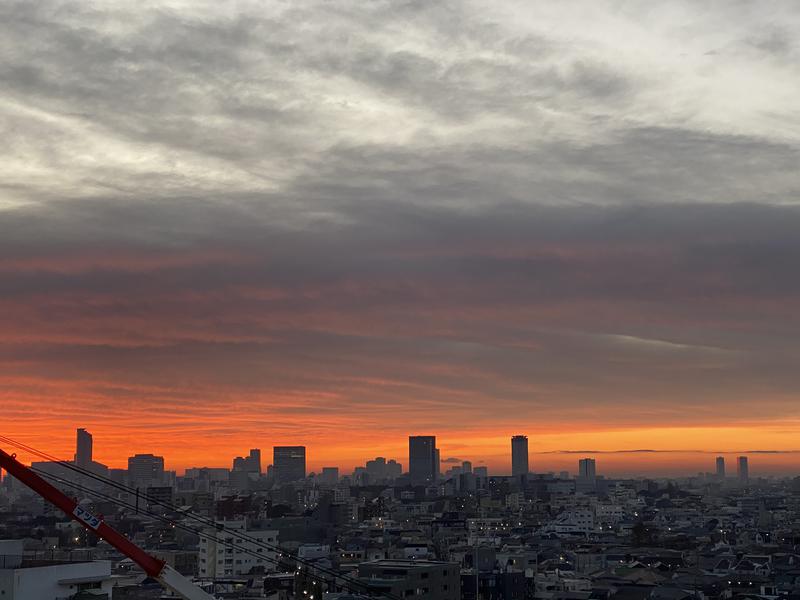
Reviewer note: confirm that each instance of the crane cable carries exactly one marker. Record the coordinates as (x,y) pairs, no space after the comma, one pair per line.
(352,583)
(189,529)
(361,585)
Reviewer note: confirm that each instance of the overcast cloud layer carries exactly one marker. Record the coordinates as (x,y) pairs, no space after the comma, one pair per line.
(274,221)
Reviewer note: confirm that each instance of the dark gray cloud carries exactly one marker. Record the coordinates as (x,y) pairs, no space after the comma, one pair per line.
(548,309)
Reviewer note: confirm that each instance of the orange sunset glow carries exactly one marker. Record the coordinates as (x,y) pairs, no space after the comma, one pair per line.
(208,353)
(227,231)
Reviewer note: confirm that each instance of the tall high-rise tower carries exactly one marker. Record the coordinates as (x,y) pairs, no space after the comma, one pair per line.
(422,459)
(721,467)
(742,469)
(587,470)
(83,449)
(289,463)
(519,455)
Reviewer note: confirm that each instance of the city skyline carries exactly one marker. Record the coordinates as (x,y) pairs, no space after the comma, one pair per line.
(664,463)
(547,451)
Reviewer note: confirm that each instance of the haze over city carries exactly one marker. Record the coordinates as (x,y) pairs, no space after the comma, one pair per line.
(340,224)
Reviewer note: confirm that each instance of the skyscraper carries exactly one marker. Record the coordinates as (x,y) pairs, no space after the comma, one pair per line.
(255,460)
(83,449)
(250,463)
(721,467)
(587,470)
(145,470)
(329,475)
(393,469)
(376,468)
(422,459)
(742,469)
(519,455)
(289,463)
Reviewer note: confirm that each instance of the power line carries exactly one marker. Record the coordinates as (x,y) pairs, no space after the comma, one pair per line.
(353,583)
(131,490)
(189,529)
(163,519)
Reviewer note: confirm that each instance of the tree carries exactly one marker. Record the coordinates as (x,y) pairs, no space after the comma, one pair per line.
(643,534)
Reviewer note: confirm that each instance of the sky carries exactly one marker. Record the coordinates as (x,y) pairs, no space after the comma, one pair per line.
(227,225)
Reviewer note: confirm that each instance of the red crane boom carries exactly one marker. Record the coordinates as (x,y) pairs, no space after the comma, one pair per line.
(155,568)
